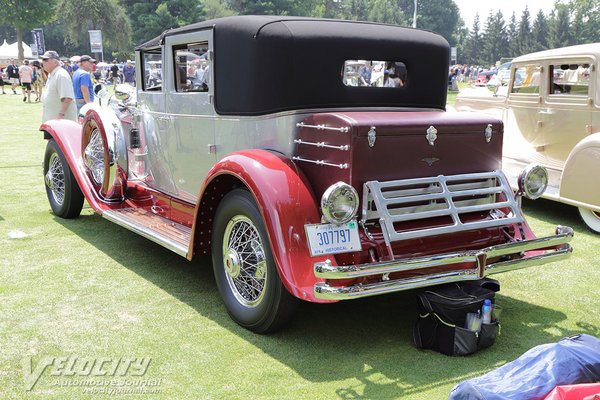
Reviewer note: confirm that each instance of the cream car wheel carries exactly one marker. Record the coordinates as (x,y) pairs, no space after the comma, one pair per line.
(590,218)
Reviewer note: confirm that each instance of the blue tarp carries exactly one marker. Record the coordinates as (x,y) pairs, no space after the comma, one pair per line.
(533,375)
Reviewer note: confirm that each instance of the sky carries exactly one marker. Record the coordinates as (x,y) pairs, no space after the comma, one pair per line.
(468,8)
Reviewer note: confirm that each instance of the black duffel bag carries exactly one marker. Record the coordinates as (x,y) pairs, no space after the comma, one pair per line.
(442,314)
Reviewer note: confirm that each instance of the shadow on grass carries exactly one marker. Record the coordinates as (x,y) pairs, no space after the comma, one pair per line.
(555,213)
(366,340)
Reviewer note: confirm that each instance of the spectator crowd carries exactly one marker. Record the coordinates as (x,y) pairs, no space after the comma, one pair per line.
(29,78)
(64,85)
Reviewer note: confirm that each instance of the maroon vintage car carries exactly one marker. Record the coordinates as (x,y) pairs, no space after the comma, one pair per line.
(313,159)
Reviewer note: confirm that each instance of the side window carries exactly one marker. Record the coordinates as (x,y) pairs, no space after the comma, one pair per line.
(152,72)
(367,73)
(527,79)
(570,79)
(192,68)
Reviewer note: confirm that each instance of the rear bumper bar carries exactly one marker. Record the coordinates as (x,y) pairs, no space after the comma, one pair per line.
(556,247)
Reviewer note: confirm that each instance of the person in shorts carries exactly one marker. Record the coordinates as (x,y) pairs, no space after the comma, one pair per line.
(2,80)
(12,73)
(26,76)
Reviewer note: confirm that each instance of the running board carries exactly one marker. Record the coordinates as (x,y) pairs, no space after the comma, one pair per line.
(169,234)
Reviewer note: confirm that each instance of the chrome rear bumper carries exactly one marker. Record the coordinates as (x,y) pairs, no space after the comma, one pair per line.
(560,249)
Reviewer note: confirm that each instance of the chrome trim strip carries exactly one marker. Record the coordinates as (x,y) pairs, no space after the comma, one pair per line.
(565,235)
(512,265)
(146,232)
(321,127)
(327,271)
(321,162)
(324,291)
(322,144)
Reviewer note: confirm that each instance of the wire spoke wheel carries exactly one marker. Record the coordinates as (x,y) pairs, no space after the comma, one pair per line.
(55,179)
(64,195)
(244,267)
(244,261)
(94,157)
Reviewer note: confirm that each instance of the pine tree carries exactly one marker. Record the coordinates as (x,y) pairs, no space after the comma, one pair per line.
(559,28)
(540,32)
(524,42)
(511,35)
(494,39)
(473,43)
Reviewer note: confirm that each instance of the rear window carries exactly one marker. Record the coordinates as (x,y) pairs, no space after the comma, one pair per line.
(367,73)
(570,79)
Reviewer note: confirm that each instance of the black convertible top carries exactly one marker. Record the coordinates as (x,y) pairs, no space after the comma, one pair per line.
(266,64)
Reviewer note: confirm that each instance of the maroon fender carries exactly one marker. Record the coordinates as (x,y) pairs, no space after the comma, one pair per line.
(286,203)
(67,134)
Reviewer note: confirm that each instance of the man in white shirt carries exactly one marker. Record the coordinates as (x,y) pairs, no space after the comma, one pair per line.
(26,75)
(58,96)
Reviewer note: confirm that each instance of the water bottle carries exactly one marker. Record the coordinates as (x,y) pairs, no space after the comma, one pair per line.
(486,312)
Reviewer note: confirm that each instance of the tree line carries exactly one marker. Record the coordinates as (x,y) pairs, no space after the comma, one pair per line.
(570,23)
(127,23)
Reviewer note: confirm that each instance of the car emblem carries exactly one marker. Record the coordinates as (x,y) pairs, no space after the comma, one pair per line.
(431,135)
(488,133)
(372,136)
(430,160)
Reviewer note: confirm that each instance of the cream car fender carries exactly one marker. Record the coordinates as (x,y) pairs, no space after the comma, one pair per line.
(579,186)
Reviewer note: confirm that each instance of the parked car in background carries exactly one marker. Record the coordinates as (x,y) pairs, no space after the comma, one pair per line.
(551,111)
(501,75)
(301,185)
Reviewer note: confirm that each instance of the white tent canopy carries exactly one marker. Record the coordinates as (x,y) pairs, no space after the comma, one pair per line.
(8,51)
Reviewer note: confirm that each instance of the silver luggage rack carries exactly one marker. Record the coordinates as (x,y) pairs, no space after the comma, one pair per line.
(445,198)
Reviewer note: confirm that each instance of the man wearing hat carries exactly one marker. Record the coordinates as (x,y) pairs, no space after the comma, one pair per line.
(82,82)
(58,95)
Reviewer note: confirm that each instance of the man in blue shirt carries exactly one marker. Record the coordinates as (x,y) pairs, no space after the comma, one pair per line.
(129,73)
(82,82)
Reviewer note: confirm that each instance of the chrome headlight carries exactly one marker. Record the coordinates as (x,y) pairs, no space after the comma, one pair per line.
(533,181)
(339,203)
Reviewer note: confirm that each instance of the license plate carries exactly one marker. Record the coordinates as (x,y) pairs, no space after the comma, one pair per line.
(332,239)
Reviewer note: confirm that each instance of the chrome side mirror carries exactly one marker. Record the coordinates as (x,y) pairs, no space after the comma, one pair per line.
(100,91)
(124,92)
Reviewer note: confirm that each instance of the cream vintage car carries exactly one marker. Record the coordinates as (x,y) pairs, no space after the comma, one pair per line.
(551,111)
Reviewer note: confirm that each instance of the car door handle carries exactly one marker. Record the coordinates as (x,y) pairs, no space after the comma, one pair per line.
(546,112)
(164,117)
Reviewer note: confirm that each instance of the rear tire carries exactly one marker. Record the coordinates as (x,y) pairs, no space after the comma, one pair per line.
(590,218)
(244,266)
(64,195)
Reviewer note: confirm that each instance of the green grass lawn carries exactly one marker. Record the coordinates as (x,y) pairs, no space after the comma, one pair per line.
(90,289)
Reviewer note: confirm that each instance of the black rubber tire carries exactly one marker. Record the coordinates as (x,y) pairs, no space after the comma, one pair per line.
(72,202)
(277,305)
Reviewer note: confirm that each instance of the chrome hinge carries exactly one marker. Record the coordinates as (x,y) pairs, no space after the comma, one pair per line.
(372,136)
(488,133)
(431,135)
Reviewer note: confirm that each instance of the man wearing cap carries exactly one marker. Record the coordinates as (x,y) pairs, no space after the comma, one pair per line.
(82,82)
(58,95)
